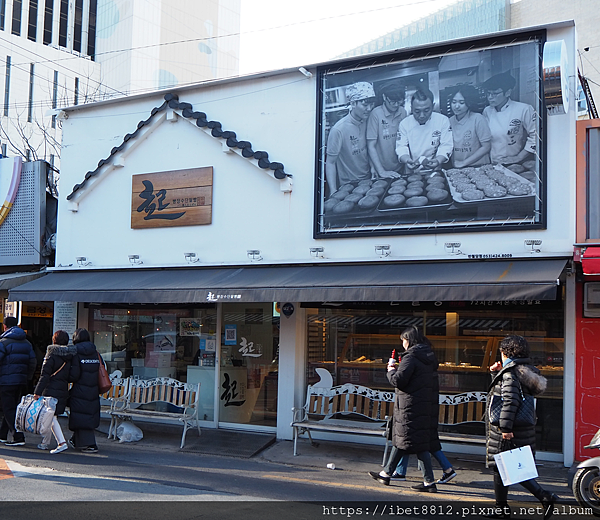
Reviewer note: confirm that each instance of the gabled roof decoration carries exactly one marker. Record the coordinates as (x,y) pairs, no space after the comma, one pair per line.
(216,130)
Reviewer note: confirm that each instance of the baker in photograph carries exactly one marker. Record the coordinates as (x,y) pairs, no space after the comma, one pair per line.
(382,130)
(424,138)
(347,158)
(470,130)
(513,124)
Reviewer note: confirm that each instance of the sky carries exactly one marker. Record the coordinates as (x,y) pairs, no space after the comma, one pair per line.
(279,34)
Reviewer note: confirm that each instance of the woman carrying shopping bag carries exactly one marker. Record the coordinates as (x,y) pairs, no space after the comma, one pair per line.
(84,401)
(513,378)
(54,382)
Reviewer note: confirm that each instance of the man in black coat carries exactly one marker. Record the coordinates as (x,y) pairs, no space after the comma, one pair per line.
(17,365)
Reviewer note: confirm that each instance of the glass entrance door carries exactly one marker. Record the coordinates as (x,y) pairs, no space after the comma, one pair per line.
(249,362)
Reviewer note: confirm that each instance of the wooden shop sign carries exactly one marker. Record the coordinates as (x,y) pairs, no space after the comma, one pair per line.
(174,198)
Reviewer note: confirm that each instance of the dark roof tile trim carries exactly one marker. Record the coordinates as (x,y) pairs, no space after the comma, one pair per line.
(202,121)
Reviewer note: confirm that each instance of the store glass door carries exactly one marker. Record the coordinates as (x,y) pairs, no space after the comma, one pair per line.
(249,362)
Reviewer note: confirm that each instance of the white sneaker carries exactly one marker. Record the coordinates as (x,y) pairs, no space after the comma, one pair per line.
(43,446)
(61,447)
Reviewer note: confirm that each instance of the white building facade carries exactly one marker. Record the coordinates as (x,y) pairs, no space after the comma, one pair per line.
(194,241)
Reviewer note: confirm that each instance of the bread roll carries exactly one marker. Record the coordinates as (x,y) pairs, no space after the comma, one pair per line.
(437,195)
(368,202)
(394,201)
(361,189)
(344,206)
(329,204)
(353,197)
(414,202)
(413,192)
(396,190)
(377,192)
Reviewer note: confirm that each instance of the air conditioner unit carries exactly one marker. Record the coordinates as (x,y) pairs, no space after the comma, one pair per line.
(591,300)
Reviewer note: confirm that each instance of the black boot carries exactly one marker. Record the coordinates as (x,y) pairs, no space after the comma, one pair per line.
(501,494)
(546,498)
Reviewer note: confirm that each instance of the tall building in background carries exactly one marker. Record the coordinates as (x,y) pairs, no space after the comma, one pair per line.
(46,62)
(468,18)
(463,19)
(58,53)
(144,45)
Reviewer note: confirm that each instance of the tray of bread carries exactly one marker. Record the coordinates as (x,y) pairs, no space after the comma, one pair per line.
(356,199)
(488,182)
(422,190)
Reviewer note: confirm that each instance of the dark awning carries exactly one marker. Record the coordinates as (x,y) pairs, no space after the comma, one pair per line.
(424,281)
(10,280)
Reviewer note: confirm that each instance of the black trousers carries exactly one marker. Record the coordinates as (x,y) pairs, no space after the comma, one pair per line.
(10,396)
(84,438)
(501,491)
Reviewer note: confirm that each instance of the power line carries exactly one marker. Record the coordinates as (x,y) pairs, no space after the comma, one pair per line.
(285,26)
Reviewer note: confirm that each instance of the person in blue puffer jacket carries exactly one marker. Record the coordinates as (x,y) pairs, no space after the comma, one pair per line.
(17,365)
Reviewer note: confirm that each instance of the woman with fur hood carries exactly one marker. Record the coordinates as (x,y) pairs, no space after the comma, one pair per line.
(513,374)
(54,382)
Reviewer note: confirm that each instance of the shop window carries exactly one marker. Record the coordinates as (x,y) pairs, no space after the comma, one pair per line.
(354,345)
(155,341)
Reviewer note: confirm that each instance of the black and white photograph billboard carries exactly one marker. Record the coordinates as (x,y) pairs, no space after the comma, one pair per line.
(441,139)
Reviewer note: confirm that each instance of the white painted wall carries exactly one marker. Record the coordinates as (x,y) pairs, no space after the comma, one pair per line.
(277,114)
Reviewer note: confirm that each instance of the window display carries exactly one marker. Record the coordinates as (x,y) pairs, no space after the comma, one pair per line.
(354,344)
(148,341)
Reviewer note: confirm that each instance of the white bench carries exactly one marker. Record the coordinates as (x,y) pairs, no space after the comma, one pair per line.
(468,407)
(348,408)
(161,390)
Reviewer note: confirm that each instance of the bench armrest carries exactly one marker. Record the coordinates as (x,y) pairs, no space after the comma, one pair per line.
(299,414)
(118,404)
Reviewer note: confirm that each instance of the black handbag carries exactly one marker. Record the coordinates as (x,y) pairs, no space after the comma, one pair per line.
(525,415)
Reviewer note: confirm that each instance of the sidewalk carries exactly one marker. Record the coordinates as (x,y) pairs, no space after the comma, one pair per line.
(473,482)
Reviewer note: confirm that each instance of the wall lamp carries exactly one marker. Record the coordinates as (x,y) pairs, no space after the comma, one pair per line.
(254,255)
(82,261)
(191,258)
(317,252)
(307,73)
(135,260)
(452,248)
(383,250)
(533,245)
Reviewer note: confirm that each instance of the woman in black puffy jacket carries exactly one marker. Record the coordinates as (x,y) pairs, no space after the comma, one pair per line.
(54,382)
(513,374)
(84,400)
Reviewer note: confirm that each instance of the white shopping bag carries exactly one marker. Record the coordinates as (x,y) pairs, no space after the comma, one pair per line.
(516,465)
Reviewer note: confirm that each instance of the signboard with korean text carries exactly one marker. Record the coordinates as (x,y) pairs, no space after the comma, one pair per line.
(439,140)
(65,317)
(174,198)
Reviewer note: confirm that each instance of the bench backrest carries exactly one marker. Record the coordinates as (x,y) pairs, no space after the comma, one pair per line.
(349,399)
(164,389)
(468,407)
(118,390)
